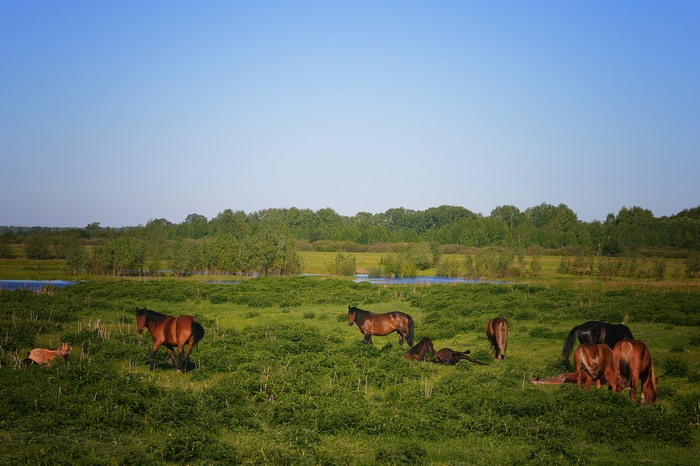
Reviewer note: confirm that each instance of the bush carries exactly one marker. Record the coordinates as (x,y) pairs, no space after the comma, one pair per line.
(674,367)
(344,265)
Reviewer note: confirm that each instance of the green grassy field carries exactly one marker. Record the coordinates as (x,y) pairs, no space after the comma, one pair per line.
(280,378)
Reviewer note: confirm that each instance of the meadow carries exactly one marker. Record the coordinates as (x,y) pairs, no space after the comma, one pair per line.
(280,377)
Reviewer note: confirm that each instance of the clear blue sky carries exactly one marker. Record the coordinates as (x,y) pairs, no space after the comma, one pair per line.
(121,112)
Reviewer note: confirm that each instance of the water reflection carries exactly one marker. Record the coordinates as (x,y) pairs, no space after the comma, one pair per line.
(33,285)
(429,280)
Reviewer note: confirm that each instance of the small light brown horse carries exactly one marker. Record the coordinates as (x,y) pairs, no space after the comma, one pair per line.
(382,324)
(171,332)
(497,333)
(417,353)
(632,361)
(593,363)
(449,357)
(45,356)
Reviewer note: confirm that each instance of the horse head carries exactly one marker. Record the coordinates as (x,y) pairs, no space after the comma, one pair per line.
(429,347)
(649,388)
(64,351)
(140,319)
(352,312)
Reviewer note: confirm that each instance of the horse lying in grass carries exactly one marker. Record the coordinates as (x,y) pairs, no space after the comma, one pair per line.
(171,332)
(417,353)
(566,377)
(497,333)
(45,356)
(382,324)
(593,363)
(449,357)
(632,361)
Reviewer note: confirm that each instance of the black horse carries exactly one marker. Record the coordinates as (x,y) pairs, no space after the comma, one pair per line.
(596,333)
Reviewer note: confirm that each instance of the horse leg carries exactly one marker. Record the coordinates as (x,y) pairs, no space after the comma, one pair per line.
(171,350)
(181,356)
(494,347)
(401,337)
(156,345)
(190,345)
(634,381)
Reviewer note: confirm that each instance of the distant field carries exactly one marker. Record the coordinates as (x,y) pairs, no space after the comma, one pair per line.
(317,263)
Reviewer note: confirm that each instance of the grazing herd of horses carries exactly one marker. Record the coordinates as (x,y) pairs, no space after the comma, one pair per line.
(608,354)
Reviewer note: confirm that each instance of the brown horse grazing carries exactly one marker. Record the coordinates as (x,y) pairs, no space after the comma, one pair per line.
(417,353)
(632,361)
(449,357)
(171,332)
(497,333)
(45,356)
(382,324)
(593,363)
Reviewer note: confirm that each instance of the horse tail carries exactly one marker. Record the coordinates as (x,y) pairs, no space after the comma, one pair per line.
(502,335)
(197,331)
(569,343)
(624,367)
(410,330)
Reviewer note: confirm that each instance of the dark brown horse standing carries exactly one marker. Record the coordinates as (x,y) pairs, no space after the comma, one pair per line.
(382,324)
(497,333)
(595,332)
(171,332)
(593,363)
(632,361)
(417,353)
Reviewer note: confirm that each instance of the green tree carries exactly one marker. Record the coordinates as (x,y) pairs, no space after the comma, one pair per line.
(5,248)
(535,265)
(344,265)
(77,259)
(38,247)
(692,265)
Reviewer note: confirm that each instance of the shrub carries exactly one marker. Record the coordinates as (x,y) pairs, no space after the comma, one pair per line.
(674,367)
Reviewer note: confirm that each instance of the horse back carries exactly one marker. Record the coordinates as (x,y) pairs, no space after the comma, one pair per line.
(42,355)
(384,324)
(624,359)
(180,329)
(497,327)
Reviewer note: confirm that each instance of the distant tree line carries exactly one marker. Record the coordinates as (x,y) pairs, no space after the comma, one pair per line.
(266,242)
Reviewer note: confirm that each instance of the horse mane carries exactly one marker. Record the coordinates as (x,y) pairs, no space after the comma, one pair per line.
(151,316)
